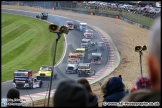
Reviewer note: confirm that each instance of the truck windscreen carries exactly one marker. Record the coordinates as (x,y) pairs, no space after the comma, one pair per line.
(20,74)
(84,26)
(73,57)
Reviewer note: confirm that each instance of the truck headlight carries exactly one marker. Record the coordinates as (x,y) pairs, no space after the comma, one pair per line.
(14,84)
(26,85)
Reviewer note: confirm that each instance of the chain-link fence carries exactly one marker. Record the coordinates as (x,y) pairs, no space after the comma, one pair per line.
(143,18)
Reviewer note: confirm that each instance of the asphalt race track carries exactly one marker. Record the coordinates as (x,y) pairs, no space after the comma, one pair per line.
(73,39)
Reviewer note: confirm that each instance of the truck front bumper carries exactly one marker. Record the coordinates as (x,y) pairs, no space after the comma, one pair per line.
(22,85)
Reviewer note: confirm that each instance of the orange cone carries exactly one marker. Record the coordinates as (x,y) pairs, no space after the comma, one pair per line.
(53,8)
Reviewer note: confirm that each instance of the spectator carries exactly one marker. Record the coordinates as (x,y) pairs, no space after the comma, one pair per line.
(13,97)
(154,66)
(70,94)
(113,89)
(142,83)
(93,99)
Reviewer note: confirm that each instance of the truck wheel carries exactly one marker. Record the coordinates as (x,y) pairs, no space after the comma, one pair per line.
(31,86)
(54,76)
(40,85)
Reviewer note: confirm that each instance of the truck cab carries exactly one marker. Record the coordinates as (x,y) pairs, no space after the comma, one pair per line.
(73,58)
(86,43)
(72,68)
(24,78)
(84,69)
(46,72)
(88,34)
(81,52)
(82,27)
(96,58)
(70,24)
(42,15)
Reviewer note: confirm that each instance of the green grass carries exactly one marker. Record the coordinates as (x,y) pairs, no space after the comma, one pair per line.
(133,17)
(26,44)
(139,19)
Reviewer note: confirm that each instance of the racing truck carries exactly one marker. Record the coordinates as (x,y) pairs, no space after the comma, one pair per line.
(45,72)
(84,69)
(81,52)
(70,24)
(88,45)
(24,78)
(82,27)
(72,68)
(88,34)
(96,58)
(42,15)
(73,58)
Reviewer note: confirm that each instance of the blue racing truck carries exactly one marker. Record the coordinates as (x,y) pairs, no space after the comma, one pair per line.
(24,78)
(82,27)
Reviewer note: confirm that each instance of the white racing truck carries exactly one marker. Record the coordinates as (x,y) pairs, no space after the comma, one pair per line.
(89,45)
(72,68)
(96,58)
(84,69)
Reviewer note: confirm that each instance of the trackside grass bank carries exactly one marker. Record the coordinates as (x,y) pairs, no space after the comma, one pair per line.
(26,44)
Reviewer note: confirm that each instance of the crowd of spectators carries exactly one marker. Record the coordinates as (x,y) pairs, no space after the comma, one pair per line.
(148,11)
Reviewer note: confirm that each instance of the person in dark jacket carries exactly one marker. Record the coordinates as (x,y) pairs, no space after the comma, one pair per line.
(13,97)
(93,99)
(70,94)
(113,89)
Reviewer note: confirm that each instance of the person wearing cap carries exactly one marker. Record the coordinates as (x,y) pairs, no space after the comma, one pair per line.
(113,89)
(70,94)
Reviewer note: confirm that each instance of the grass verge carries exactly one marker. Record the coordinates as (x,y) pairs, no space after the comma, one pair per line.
(26,44)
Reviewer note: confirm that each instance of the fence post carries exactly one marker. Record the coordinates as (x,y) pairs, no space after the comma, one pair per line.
(71,6)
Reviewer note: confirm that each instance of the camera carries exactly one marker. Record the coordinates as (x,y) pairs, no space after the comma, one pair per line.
(58,29)
(140,48)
